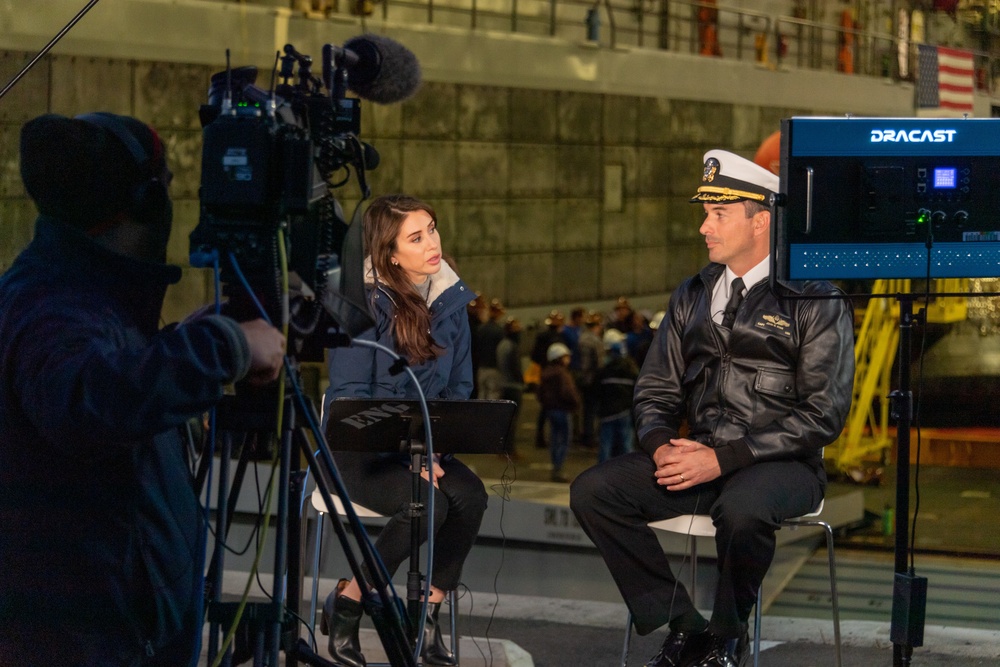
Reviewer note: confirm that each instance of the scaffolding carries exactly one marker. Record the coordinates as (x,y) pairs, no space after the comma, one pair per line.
(867,438)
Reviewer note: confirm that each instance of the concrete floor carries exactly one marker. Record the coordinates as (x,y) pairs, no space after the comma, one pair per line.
(542,604)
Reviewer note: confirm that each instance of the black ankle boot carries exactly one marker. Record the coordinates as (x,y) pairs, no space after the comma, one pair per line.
(341,619)
(435,652)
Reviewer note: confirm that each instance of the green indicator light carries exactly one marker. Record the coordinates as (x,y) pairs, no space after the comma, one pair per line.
(923,216)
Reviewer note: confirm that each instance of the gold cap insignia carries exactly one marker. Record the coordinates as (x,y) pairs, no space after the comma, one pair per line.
(711,169)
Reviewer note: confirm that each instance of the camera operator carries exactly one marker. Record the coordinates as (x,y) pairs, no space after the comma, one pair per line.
(101,533)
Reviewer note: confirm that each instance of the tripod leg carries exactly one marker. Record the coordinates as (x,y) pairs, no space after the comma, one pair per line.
(215,571)
(227,500)
(281,534)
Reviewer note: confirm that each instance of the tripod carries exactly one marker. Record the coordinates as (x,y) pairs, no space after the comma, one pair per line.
(268,628)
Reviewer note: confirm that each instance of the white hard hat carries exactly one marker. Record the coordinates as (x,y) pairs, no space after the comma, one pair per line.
(613,337)
(557,351)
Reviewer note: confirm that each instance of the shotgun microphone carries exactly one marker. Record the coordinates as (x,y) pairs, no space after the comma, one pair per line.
(379,69)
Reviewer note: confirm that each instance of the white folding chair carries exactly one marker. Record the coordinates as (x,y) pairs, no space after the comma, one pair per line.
(700,525)
(363,513)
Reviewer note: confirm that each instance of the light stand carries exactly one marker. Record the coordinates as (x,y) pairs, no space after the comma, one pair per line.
(414,577)
(909,592)
(884,199)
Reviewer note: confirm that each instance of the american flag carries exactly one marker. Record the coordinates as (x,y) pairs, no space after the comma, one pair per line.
(944,81)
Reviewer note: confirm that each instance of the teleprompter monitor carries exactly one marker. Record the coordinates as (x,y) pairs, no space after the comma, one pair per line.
(870,198)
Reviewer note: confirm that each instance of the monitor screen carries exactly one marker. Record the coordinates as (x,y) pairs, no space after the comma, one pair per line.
(945,178)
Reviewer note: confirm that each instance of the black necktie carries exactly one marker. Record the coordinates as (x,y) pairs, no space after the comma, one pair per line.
(735,296)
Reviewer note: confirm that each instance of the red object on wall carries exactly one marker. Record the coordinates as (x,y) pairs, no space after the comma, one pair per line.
(845,54)
(708,29)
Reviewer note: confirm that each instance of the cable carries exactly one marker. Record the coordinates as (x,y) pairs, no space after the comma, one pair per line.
(323,449)
(687,550)
(430,482)
(256,527)
(489,647)
(503,490)
(235,265)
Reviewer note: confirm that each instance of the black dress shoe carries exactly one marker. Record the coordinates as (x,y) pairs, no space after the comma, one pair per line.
(679,648)
(720,652)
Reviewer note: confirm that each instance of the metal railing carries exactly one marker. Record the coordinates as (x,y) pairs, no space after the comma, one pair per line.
(681,26)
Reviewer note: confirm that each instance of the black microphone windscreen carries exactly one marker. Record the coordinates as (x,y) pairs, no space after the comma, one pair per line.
(386,71)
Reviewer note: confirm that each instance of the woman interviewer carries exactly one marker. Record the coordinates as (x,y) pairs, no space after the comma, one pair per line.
(419,306)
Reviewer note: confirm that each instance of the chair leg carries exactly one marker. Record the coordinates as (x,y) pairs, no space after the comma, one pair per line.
(628,639)
(314,605)
(694,569)
(453,620)
(833,589)
(756,625)
(834,599)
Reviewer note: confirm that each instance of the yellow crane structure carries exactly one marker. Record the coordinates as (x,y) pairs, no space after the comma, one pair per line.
(866,438)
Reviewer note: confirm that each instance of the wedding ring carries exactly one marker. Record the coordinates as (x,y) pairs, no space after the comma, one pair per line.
(682,477)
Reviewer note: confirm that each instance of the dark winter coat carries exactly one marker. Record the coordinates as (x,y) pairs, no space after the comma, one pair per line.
(615,386)
(101,534)
(557,390)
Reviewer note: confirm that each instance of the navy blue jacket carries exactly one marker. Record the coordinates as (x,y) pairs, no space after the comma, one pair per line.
(100,528)
(361,372)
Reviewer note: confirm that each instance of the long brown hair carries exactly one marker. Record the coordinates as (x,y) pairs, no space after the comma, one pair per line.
(411,325)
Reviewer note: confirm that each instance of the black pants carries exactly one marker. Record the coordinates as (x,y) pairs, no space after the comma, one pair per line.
(383,484)
(614,501)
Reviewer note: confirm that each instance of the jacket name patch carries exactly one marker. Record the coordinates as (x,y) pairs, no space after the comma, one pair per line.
(774,324)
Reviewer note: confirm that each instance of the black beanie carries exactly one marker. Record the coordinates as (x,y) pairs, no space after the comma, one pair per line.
(81,172)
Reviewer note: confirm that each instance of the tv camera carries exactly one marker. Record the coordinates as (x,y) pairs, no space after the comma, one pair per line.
(270,161)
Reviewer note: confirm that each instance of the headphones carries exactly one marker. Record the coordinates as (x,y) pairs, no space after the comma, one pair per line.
(150,196)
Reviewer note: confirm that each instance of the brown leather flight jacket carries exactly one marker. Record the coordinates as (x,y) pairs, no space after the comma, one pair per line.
(776,387)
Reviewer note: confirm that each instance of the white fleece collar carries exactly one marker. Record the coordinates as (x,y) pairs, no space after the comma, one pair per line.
(440,281)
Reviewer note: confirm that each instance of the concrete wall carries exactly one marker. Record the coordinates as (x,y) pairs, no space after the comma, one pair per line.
(560,169)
